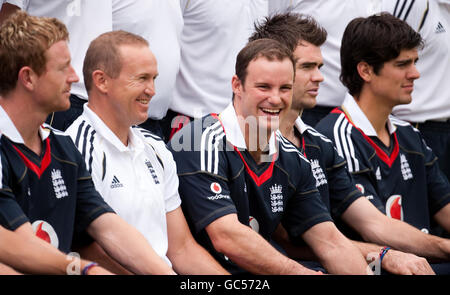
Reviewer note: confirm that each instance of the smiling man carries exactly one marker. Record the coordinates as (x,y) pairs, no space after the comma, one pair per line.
(45,187)
(131,167)
(235,194)
(304,36)
(388,158)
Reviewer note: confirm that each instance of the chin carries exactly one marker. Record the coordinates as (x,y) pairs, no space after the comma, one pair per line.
(63,107)
(141,119)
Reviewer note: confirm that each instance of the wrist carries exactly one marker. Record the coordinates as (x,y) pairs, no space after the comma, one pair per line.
(88,267)
(383,253)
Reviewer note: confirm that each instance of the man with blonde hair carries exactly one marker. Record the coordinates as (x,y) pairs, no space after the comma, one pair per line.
(45,187)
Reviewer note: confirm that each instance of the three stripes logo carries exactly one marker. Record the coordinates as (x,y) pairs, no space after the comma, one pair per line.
(440,28)
(116,183)
(403,8)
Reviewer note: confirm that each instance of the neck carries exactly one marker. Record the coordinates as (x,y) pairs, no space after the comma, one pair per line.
(255,142)
(287,126)
(99,105)
(377,113)
(27,125)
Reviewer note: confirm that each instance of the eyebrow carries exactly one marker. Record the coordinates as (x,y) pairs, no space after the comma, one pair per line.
(311,64)
(406,61)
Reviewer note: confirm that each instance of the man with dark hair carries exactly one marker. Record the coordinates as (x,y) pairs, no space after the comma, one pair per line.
(334,182)
(239,178)
(45,188)
(389,161)
(429,110)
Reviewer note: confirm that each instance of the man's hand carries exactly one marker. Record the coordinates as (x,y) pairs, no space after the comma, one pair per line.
(401,263)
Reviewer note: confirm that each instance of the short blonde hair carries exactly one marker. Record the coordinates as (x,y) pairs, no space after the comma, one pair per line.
(24,39)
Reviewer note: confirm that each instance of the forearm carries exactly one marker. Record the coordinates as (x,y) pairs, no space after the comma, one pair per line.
(6,270)
(281,237)
(254,254)
(395,262)
(192,259)
(127,246)
(96,253)
(343,258)
(377,228)
(335,252)
(406,238)
(29,254)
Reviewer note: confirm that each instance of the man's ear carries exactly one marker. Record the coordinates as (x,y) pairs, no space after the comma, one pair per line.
(237,86)
(365,71)
(100,80)
(27,77)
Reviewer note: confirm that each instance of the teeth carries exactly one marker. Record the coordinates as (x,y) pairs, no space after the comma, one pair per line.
(271,111)
(144,101)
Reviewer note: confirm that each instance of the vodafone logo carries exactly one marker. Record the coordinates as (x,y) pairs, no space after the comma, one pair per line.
(394,207)
(45,231)
(216,188)
(253,224)
(360,187)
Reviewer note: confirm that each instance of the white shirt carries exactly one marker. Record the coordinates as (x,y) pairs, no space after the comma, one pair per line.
(431,95)
(213,34)
(160,22)
(8,129)
(360,119)
(230,123)
(85,20)
(131,179)
(333,16)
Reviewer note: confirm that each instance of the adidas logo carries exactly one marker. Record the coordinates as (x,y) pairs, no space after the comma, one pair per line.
(440,28)
(116,183)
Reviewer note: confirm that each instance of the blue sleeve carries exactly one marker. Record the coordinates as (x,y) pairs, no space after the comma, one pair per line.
(305,209)
(437,183)
(11,214)
(343,191)
(204,188)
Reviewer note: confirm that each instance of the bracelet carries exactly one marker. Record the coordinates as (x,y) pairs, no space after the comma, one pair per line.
(88,267)
(383,252)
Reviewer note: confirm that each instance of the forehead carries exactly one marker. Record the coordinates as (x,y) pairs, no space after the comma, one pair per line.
(58,51)
(406,54)
(262,68)
(137,57)
(307,51)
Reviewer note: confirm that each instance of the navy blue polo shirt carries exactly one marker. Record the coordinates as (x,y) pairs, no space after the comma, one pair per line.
(218,176)
(404,183)
(53,191)
(333,180)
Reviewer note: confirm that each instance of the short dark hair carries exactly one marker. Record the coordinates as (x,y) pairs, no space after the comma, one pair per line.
(267,48)
(290,29)
(375,40)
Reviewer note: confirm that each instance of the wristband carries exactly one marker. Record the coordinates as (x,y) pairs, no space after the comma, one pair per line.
(383,252)
(88,267)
